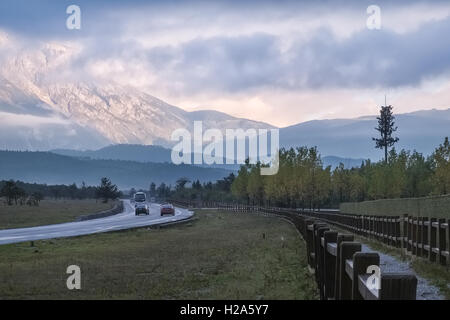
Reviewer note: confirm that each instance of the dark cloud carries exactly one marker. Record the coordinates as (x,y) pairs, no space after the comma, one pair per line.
(46,18)
(375,58)
(370,58)
(366,59)
(222,63)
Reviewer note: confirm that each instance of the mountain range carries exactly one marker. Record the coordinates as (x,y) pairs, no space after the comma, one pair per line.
(159,154)
(352,138)
(43,108)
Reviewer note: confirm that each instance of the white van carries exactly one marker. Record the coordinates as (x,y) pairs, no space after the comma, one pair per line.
(140,204)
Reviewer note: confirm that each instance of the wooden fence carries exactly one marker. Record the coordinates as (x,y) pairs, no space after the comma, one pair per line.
(420,236)
(339,266)
(424,237)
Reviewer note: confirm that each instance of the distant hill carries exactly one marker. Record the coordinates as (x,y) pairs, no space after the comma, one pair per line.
(342,138)
(352,138)
(130,152)
(160,154)
(50,168)
(133,152)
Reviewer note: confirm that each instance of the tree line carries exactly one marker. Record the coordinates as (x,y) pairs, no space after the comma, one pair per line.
(185,189)
(302,181)
(18,192)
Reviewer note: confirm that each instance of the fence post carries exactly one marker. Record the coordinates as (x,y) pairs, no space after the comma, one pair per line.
(398,234)
(329,264)
(319,259)
(396,286)
(441,237)
(419,236)
(345,283)
(415,225)
(389,237)
(340,238)
(409,234)
(314,256)
(361,260)
(425,237)
(432,233)
(447,237)
(309,241)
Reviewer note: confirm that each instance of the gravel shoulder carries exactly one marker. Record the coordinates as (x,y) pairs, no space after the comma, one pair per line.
(388,263)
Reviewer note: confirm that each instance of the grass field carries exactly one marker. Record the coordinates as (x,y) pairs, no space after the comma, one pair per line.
(48,212)
(219,255)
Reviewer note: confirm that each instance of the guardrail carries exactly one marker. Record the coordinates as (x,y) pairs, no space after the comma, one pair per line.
(339,266)
(118,208)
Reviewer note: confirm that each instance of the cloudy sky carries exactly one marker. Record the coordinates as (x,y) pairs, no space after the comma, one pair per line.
(280,62)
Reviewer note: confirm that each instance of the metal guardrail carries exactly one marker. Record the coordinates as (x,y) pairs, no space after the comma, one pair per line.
(118,208)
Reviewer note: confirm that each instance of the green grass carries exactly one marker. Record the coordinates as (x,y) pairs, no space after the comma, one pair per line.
(219,255)
(439,275)
(48,212)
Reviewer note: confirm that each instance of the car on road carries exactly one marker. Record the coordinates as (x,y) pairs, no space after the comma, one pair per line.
(140,204)
(167,208)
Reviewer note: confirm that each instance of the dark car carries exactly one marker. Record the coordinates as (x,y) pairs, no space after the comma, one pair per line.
(167,208)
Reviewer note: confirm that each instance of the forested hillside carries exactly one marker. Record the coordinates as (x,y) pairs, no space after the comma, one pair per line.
(45,167)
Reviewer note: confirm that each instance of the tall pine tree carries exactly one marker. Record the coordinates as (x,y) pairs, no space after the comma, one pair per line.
(386,127)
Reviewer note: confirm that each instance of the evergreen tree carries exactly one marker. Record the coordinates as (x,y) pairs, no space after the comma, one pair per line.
(107,190)
(386,127)
(12,192)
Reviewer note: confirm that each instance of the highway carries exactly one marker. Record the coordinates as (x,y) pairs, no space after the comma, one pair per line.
(124,220)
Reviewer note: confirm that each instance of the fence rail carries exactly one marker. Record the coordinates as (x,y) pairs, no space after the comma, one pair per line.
(339,266)
(424,237)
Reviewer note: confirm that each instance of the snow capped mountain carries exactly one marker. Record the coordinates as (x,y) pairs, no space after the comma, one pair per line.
(71,110)
(50,100)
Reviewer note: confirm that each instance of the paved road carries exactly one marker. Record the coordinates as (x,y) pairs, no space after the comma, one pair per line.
(124,220)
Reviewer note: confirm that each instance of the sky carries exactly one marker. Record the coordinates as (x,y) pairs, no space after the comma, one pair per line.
(280,62)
